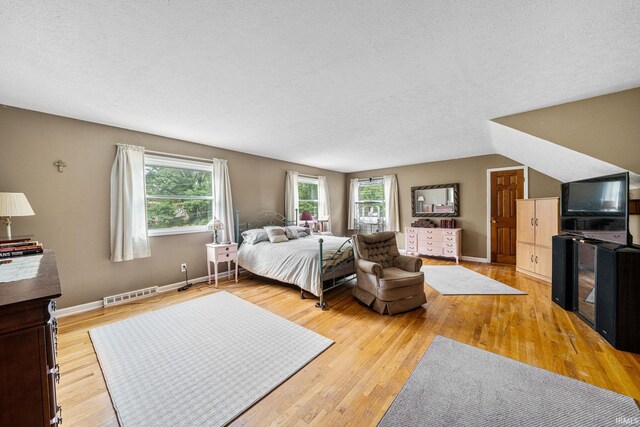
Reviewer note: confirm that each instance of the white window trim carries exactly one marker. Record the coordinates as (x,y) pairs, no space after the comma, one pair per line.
(307,180)
(174,162)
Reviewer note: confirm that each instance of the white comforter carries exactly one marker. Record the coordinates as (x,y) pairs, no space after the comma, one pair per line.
(295,261)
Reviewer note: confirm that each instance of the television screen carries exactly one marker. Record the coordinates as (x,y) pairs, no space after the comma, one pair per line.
(597,197)
(596,208)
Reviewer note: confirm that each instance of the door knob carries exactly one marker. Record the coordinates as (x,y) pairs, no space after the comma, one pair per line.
(493,220)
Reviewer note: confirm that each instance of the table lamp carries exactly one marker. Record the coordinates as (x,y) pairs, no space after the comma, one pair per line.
(214,225)
(306,217)
(13,204)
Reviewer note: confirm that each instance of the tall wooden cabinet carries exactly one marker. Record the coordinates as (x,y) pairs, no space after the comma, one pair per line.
(28,369)
(537,223)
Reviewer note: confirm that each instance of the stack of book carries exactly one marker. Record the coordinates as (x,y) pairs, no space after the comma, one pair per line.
(19,247)
(447,223)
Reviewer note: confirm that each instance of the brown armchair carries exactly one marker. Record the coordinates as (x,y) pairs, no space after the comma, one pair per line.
(388,282)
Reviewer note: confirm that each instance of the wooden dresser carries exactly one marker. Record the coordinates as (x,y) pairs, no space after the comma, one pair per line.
(441,242)
(28,369)
(537,223)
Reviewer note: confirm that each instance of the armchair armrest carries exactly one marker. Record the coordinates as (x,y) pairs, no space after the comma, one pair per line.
(370,267)
(408,263)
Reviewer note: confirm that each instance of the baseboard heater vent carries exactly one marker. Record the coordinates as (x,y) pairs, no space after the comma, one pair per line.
(129,296)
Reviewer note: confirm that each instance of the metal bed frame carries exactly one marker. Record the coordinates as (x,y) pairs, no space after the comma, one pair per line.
(326,266)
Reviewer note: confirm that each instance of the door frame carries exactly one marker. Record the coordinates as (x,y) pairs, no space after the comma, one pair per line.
(526,196)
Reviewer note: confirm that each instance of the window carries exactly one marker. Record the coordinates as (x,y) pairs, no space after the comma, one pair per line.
(371,193)
(179,195)
(369,210)
(308,195)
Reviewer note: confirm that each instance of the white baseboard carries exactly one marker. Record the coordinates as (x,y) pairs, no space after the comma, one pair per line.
(475,259)
(77,309)
(464,258)
(98,304)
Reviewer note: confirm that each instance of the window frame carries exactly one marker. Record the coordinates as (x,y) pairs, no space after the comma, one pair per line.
(176,162)
(308,180)
(381,201)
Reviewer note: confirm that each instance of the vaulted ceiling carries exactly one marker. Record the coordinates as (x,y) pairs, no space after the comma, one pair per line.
(340,85)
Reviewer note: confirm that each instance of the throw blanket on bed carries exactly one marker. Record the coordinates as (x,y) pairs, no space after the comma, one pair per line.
(294,261)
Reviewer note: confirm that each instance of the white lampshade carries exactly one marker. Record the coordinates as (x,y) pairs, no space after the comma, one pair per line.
(14,204)
(215,224)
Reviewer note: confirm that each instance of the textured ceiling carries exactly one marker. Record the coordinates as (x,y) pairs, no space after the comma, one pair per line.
(340,85)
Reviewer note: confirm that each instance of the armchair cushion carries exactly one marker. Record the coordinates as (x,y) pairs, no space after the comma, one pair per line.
(397,278)
(407,263)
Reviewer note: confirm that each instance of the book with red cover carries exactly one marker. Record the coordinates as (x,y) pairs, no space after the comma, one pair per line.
(12,246)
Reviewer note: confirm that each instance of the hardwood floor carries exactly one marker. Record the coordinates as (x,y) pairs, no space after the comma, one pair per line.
(357,378)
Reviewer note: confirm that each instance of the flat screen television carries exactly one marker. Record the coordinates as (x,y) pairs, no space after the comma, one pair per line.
(597,208)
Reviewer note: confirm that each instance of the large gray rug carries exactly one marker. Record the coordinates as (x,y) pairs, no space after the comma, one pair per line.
(457,280)
(202,362)
(458,385)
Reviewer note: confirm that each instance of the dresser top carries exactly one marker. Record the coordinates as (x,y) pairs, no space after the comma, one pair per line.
(433,228)
(45,285)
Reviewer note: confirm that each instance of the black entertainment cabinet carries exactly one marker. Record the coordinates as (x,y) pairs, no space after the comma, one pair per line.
(600,282)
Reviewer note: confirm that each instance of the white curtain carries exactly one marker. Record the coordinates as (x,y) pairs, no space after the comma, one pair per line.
(324,204)
(291,195)
(353,198)
(222,201)
(129,236)
(391,203)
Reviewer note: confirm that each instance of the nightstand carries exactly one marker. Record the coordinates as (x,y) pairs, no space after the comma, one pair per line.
(222,252)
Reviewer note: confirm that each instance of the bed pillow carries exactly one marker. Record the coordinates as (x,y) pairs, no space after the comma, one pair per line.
(291,234)
(276,234)
(256,235)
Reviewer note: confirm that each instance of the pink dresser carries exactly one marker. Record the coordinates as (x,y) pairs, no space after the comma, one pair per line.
(442,242)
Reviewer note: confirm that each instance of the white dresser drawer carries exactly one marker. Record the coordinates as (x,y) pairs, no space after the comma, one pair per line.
(227,256)
(450,252)
(450,239)
(431,251)
(226,250)
(430,238)
(430,244)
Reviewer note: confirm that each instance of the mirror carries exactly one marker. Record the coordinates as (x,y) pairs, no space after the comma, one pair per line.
(435,200)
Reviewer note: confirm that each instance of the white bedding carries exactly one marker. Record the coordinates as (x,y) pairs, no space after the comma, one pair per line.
(295,262)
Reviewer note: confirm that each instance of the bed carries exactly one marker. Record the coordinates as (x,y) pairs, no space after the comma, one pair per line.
(316,263)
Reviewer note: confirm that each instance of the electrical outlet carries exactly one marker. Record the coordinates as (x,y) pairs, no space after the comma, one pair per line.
(183,267)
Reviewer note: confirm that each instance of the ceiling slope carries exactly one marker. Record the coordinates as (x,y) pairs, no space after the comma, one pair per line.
(551,159)
(339,85)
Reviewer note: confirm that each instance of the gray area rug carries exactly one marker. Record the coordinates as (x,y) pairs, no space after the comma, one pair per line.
(202,362)
(458,385)
(458,280)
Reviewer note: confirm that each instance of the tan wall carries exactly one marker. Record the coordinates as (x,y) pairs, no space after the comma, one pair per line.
(605,127)
(72,208)
(471,174)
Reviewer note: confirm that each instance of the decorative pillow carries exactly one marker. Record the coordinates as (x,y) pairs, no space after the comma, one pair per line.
(256,235)
(291,233)
(276,234)
(302,234)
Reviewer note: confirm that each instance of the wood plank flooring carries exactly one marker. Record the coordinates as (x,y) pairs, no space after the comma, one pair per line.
(357,378)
